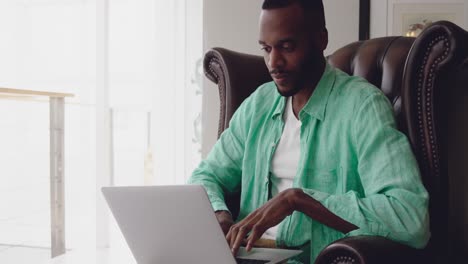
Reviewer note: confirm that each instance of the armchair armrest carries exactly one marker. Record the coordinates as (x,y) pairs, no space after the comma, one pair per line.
(368,250)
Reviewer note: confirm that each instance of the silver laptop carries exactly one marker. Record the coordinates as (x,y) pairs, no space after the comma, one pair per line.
(176,224)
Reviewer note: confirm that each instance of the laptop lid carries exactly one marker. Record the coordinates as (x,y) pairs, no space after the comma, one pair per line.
(168,224)
(173,224)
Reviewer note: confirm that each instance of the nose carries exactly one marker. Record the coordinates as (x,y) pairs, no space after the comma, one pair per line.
(276,59)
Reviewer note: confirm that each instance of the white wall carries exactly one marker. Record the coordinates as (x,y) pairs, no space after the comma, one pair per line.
(378,18)
(342,18)
(234,25)
(382,13)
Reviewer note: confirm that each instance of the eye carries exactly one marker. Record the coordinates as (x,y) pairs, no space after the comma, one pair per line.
(266,49)
(288,46)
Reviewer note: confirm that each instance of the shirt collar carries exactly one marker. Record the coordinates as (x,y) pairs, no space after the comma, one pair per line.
(317,103)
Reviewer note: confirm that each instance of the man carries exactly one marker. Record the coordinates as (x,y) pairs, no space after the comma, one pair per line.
(315,153)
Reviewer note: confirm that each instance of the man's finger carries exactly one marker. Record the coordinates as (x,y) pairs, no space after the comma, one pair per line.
(243,230)
(256,233)
(232,234)
(234,231)
(228,235)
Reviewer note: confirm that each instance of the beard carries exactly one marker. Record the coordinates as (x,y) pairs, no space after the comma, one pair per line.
(290,92)
(309,73)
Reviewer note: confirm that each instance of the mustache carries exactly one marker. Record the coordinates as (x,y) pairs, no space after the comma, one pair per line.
(277,71)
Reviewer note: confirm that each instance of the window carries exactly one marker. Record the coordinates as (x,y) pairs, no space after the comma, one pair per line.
(135,62)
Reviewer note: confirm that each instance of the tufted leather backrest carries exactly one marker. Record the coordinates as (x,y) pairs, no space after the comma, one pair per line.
(381,62)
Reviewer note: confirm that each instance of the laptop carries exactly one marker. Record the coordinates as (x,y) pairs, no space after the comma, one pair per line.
(176,224)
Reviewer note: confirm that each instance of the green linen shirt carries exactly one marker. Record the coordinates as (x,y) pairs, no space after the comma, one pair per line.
(353,160)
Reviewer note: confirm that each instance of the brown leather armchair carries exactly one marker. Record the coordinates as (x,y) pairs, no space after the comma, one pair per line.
(426,79)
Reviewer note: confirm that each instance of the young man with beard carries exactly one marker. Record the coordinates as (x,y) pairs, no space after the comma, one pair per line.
(316,153)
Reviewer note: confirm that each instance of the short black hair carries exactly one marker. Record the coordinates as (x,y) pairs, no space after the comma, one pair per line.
(310,7)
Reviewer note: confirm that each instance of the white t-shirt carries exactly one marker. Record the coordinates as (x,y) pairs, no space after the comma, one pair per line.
(285,159)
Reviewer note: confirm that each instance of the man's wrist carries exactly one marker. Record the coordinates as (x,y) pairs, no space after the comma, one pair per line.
(223,215)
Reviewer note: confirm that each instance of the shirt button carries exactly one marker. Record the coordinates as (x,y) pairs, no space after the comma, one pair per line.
(273,145)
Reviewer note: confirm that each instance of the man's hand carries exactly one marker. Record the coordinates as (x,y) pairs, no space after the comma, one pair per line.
(275,210)
(269,215)
(224,220)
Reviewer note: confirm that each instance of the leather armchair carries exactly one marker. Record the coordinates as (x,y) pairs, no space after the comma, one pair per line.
(426,80)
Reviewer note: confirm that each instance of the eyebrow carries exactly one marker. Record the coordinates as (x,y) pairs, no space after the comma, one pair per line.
(286,40)
(281,41)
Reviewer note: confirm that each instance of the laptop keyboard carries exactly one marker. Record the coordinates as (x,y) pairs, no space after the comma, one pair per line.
(251,261)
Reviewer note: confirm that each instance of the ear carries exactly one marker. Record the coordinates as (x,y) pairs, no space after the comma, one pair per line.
(324,39)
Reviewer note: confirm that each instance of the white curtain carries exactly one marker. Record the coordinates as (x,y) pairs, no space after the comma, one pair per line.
(153,76)
(161,76)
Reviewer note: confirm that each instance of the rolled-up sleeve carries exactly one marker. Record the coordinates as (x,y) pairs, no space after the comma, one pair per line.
(221,171)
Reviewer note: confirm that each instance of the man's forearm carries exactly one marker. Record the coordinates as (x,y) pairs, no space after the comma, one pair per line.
(315,210)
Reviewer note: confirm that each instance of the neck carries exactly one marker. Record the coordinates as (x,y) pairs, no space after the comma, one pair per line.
(300,99)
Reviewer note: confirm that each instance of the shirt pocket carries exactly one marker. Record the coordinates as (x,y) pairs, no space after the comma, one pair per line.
(326,180)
